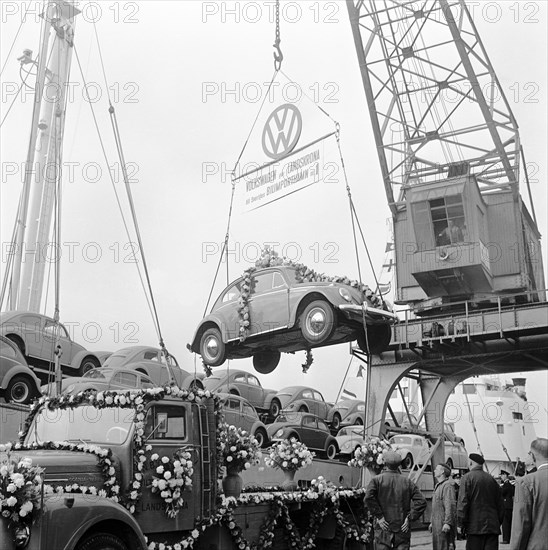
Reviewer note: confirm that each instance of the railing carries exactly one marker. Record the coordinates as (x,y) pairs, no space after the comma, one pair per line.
(496,321)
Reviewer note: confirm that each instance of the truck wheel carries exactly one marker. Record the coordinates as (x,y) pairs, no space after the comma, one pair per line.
(264,362)
(102,541)
(20,390)
(212,347)
(317,322)
(87,364)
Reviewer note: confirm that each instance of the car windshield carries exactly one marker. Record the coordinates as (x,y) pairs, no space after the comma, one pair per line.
(85,424)
(116,359)
(97,373)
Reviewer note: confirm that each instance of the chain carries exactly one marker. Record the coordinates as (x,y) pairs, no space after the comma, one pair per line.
(278,55)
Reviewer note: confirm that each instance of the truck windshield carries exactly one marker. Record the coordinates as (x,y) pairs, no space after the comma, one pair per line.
(85,424)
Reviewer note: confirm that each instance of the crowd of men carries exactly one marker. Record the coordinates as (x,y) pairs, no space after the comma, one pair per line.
(474,509)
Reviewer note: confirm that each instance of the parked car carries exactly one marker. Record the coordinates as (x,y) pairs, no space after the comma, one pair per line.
(347,413)
(286,314)
(350,438)
(150,361)
(18,384)
(35,336)
(307,428)
(239,382)
(416,449)
(299,399)
(240,413)
(105,378)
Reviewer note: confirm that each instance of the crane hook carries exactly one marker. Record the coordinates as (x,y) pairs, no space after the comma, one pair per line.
(278,55)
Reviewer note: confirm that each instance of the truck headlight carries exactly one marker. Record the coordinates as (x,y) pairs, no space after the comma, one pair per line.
(21,536)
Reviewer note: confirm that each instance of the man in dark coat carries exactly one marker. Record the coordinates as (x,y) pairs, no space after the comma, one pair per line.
(480,509)
(530,518)
(443,522)
(394,501)
(507,488)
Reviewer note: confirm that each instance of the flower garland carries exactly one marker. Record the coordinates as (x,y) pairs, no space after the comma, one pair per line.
(308,361)
(370,454)
(175,476)
(238,450)
(20,488)
(289,455)
(243,305)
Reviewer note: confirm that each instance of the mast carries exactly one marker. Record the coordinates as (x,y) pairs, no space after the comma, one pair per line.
(43,166)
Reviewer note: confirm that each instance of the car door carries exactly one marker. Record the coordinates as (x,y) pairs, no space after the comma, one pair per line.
(248,415)
(308,431)
(323,433)
(231,411)
(321,406)
(268,303)
(239,380)
(254,391)
(49,342)
(308,397)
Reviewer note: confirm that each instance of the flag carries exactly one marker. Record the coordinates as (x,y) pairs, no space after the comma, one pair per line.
(348,395)
(389,247)
(384,288)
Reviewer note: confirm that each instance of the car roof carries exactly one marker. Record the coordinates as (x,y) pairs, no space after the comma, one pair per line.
(135,349)
(296,388)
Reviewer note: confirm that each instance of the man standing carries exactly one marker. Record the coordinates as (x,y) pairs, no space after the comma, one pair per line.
(530,518)
(443,524)
(480,509)
(395,501)
(507,488)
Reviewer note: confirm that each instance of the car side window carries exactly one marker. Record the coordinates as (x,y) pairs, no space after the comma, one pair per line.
(318,396)
(248,410)
(240,378)
(277,280)
(233,404)
(254,381)
(262,283)
(309,421)
(418,442)
(145,383)
(232,293)
(307,394)
(125,378)
(166,422)
(150,356)
(322,426)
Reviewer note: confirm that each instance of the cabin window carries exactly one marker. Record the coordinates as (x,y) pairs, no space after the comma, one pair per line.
(166,422)
(439,222)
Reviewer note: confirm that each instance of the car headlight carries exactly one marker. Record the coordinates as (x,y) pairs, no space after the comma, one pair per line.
(346,446)
(70,388)
(279,433)
(345,295)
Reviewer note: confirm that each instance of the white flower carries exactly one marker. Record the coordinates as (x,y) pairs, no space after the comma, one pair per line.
(160,470)
(165,459)
(11,501)
(155,456)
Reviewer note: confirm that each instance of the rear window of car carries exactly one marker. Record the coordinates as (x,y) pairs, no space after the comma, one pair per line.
(401,440)
(116,359)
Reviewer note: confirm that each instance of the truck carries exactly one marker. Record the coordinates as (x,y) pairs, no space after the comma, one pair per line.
(89,473)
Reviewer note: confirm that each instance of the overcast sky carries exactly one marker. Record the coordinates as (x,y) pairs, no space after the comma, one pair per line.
(187,79)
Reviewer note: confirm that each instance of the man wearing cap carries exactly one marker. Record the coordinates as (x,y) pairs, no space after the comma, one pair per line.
(530,518)
(480,509)
(508,489)
(443,523)
(394,501)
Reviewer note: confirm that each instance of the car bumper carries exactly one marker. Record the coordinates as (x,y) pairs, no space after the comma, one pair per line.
(355,311)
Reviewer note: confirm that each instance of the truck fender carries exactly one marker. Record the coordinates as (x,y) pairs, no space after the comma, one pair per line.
(99,355)
(76,515)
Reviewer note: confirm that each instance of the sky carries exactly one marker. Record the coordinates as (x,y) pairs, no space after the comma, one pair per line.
(187,80)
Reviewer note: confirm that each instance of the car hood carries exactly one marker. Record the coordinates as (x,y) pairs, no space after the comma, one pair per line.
(275,426)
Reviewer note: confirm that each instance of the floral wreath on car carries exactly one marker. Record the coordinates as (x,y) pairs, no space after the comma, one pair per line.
(270,258)
(177,471)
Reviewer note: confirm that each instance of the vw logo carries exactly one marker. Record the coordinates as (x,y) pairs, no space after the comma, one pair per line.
(282,131)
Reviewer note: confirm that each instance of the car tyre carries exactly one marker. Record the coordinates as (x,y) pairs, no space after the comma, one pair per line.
(378,338)
(275,408)
(450,463)
(102,541)
(265,362)
(317,322)
(303,409)
(359,422)
(408,462)
(261,437)
(336,422)
(20,390)
(331,451)
(87,364)
(212,347)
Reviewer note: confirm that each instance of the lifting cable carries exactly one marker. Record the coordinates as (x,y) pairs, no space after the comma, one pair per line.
(119,148)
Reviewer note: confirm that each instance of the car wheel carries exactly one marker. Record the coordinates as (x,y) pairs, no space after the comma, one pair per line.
(378,338)
(359,422)
(317,322)
(102,541)
(212,347)
(336,422)
(261,437)
(331,451)
(407,462)
(450,463)
(275,408)
(265,362)
(87,364)
(20,390)
(234,392)
(196,385)
(303,409)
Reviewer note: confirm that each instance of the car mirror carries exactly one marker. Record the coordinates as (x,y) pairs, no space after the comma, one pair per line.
(161,423)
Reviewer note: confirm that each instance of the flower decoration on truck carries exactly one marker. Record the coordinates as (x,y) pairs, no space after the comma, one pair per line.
(289,455)
(237,449)
(171,478)
(369,455)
